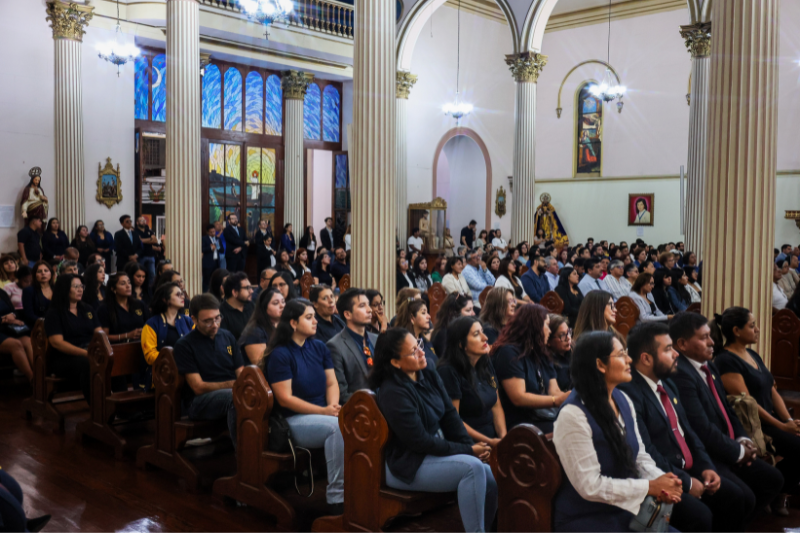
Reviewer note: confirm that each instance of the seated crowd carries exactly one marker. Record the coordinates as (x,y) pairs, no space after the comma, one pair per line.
(650,415)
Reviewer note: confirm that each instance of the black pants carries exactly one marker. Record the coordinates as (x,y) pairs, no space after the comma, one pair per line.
(207,275)
(235,262)
(725,510)
(762,479)
(788,447)
(12,516)
(74,369)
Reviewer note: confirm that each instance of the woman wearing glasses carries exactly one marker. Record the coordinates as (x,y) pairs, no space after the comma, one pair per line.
(167,324)
(597,313)
(380,322)
(560,346)
(648,312)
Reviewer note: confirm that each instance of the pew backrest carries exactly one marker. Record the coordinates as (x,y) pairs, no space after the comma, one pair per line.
(436,296)
(167,381)
(253,400)
(344,283)
(786,349)
(694,308)
(108,360)
(306,281)
(484,294)
(627,315)
(552,302)
(40,345)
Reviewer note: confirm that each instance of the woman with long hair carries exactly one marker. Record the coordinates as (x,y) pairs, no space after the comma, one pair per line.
(454,280)
(524,253)
(431,450)
(404,278)
(8,270)
(285,265)
(695,291)
(287,242)
(608,472)
(662,283)
(322,270)
(54,242)
(540,240)
(309,243)
(528,388)
(440,269)
(648,311)
(84,244)
(166,325)
(509,279)
(266,315)
(470,381)
(300,373)
(380,322)
(139,282)
(422,279)
(216,282)
(282,282)
(36,298)
(679,297)
(492,261)
(122,316)
(597,313)
(300,265)
(413,316)
(567,290)
(14,342)
(560,346)
(789,277)
(95,292)
(689,260)
(481,241)
(173,276)
(103,241)
(497,311)
(453,306)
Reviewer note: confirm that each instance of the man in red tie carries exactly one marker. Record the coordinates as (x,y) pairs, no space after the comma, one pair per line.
(715,423)
(709,503)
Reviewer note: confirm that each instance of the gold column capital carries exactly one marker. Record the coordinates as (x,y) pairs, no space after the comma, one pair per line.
(295,83)
(698,39)
(527,66)
(405,81)
(68,19)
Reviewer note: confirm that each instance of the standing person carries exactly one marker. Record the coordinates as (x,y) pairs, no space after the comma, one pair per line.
(500,244)
(236,244)
(84,244)
(212,251)
(261,326)
(122,316)
(219,230)
(127,243)
(265,254)
(261,233)
(567,290)
(54,242)
(326,235)
(29,242)
(339,267)
(309,242)
(477,276)
(468,234)
(103,241)
(348,238)
(37,297)
(287,241)
(166,325)
(329,323)
(353,348)
(498,310)
(237,307)
(150,247)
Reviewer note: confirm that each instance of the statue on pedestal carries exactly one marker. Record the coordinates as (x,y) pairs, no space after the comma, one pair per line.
(34,202)
(547,220)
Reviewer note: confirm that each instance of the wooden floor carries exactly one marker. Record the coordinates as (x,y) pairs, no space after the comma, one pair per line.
(85,489)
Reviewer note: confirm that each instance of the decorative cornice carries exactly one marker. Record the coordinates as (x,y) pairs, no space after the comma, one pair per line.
(405,81)
(294,84)
(698,39)
(68,20)
(526,67)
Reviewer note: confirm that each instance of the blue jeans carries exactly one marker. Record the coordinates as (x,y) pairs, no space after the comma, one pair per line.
(477,489)
(315,431)
(149,264)
(215,405)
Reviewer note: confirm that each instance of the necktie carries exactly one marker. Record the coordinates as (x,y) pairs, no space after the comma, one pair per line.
(367,353)
(721,406)
(130,236)
(598,284)
(673,422)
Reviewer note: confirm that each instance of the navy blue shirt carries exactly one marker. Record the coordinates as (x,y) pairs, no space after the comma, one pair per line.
(216,360)
(535,286)
(508,365)
(253,335)
(360,342)
(327,330)
(53,244)
(127,321)
(475,402)
(77,330)
(31,242)
(144,234)
(338,270)
(305,366)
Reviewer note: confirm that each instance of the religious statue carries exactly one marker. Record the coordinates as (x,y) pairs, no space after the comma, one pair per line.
(425,232)
(34,202)
(547,220)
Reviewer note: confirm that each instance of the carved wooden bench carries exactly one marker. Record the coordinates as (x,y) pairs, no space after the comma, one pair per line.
(436,296)
(306,282)
(785,365)
(552,302)
(627,316)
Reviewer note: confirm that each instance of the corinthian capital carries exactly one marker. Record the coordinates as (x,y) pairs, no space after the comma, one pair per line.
(405,81)
(294,84)
(527,66)
(698,38)
(68,19)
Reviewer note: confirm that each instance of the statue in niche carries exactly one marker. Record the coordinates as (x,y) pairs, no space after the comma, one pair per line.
(34,201)
(425,231)
(547,220)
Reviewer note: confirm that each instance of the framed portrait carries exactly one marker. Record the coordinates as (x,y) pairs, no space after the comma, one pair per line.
(640,209)
(109,187)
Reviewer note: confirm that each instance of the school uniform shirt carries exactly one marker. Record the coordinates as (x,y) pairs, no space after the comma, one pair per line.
(76,329)
(508,365)
(54,245)
(326,330)
(34,305)
(133,318)
(144,234)
(157,333)
(234,320)
(215,360)
(253,335)
(323,276)
(31,242)
(475,401)
(305,365)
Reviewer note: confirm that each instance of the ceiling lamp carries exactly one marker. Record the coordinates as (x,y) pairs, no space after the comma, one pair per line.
(266,11)
(458,109)
(117,52)
(607,89)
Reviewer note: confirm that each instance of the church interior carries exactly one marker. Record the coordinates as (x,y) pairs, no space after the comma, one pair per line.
(653,126)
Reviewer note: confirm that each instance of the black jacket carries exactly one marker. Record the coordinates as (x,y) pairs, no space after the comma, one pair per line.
(234,238)
(704,413)
(208,253)
(125,248)
(402,282)
(325,238)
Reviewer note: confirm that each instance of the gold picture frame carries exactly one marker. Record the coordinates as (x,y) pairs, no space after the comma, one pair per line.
(109,184)
(500,202)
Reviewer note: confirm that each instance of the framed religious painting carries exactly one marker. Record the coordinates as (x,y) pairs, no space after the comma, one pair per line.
(640,209)
(109,188)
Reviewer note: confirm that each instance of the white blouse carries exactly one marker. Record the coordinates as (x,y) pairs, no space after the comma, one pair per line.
(451,285)
(504,282)
(645,311)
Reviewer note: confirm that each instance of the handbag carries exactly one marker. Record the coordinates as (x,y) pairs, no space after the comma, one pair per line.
(746,409)
(653,516)
(15,331)
(280,441)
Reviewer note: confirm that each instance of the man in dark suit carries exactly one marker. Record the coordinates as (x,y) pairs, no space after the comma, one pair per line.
(711,417)
(212,251)
(127,242)
(709,502)
(236,243)
(326,235)
(352,348)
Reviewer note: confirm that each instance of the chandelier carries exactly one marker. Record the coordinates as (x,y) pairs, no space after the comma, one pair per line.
(607,89)
(117,52)
(266,11)
(458,109)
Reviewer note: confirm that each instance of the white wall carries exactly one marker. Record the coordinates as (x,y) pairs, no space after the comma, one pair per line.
(321,190)
(466,183)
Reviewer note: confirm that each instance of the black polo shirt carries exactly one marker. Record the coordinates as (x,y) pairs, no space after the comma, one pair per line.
(31,241)
(216,360)
(475,402)
(326,330)
(469,234)
(127,321)
(76,330)
(234,320)
(146,233)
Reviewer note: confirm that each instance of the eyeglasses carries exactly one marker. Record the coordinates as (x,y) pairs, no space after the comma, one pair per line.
(79,287)
(379,304)
(246,288)
(165,262)
(613,306)
(564,336)
(419,348)
(622,354)
(211,321)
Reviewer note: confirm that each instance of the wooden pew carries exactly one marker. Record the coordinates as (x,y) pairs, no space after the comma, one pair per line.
(785,365)
(484,294)
(552,302)
(344,283)
(522,270)
(528,475)
(368,503)
(172,430)
(306,281)
(694,308)
(107,361)
(627,315)
(436,296)
(255,464)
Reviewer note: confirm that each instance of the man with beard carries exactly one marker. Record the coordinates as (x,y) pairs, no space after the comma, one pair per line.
(709,503)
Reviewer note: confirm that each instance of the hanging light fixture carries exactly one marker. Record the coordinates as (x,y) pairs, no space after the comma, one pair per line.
(608,90)
(458,109)
(117,52)
(266,11)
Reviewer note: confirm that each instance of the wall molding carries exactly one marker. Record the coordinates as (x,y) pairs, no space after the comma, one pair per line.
(602,179)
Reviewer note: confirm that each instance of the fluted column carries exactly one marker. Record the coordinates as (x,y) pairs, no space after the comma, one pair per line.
(525,68)
(405,81)
(183,209)
(294,85)
(739,214)
(698,42)
(374,153)
(68,22)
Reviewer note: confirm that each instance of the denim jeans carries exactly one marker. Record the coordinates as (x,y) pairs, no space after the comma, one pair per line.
(477,489)
(149,264)
(215,405)
(315,431)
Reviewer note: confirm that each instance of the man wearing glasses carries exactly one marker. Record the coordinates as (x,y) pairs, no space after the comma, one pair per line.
(237,307)
(210,361)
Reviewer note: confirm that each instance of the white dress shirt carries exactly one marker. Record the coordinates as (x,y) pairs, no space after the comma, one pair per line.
(589,284)
(779,299)
(500,243)
(216,247)
(552,279)
(615,287)
(693,294)
(347,240)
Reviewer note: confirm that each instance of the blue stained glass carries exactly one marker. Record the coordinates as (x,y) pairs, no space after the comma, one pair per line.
(160,88)
(233,100)
(311,112)
(142,87)
(254,100)
(273,110)
(330,111)
(341,171)
(590,105)
(212,96)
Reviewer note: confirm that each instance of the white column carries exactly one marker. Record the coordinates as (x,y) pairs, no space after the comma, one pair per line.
(294,85)
(374,154)
(698,42)
(183,202)
(68,22)
(739,214)
(405,81)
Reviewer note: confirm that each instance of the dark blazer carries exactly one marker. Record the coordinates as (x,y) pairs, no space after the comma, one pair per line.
(234,238)
(402,283)
(208,253)
(704,413)
(125,248)
(325,239)
(656,433)
(348,363)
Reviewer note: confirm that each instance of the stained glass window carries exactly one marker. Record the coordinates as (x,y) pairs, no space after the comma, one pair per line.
(212,97)
(341,192)
(260,187)
(311,113)
(589,132)
(142,87)
(330,108)
(273,110)
(160,88)
(224,185)
(233,100)
(254,101)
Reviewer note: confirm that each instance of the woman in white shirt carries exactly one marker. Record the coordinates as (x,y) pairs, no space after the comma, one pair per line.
(693,287)
(608,472)
(347,239)
(509,280)
(453,280)
(648,311)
